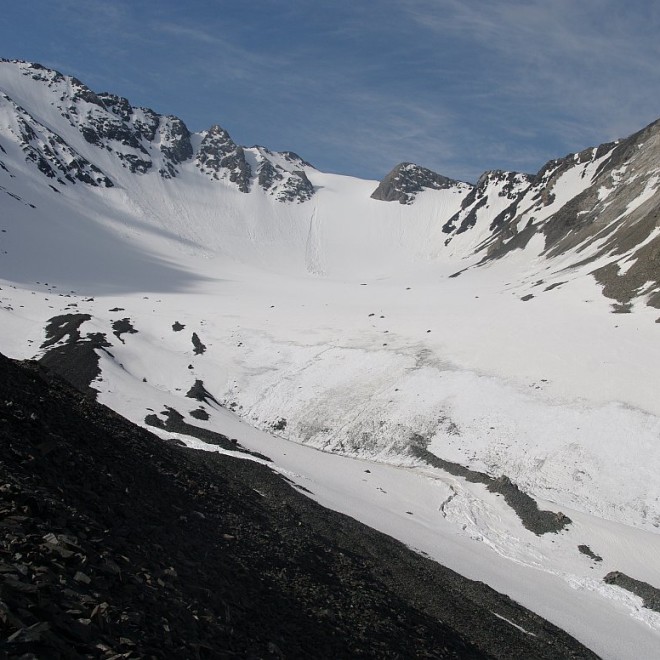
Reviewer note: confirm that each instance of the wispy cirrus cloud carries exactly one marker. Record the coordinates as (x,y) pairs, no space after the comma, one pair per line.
(587,68)
(193,33)
(457,85)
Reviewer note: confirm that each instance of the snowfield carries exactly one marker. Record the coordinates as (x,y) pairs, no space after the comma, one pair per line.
(337,334)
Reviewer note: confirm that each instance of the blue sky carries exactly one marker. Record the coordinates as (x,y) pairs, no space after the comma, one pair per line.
(354,86)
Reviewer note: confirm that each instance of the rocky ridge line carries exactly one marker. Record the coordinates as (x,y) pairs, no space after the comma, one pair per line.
(142,140)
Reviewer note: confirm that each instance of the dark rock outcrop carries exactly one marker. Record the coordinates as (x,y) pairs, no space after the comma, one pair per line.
(647,592)
(201,394)
(297,187)
(52,156)
(122,327)
(534,519)
(284,185)
(508,184)
(199,348)
(70,355)
(406,180)
(220,157)
(175,423)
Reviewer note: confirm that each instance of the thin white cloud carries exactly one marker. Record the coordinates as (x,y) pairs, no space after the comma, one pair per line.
(187,32)
(589,63)
(456,85)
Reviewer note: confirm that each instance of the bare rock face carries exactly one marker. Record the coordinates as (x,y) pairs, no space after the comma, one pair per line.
(282,175)
(295,159)
(297,187)
(493,183)
(268,175)
(406,180)
(221,158)
(52,156)
(174,144)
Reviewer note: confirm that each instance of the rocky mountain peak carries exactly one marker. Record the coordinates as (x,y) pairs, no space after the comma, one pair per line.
(219,134)
(281,175)
(407,180)
(140,139)
(221,158)
(295,159)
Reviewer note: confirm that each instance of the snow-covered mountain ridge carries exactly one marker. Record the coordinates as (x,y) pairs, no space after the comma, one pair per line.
(456,321)
(140,139)
(598,207)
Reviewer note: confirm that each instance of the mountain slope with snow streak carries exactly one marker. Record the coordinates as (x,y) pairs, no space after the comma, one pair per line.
(465,321)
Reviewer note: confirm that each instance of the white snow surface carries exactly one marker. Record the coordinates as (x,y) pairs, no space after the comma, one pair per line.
(339,316)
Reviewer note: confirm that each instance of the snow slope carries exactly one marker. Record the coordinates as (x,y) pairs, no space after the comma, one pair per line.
(337,322)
